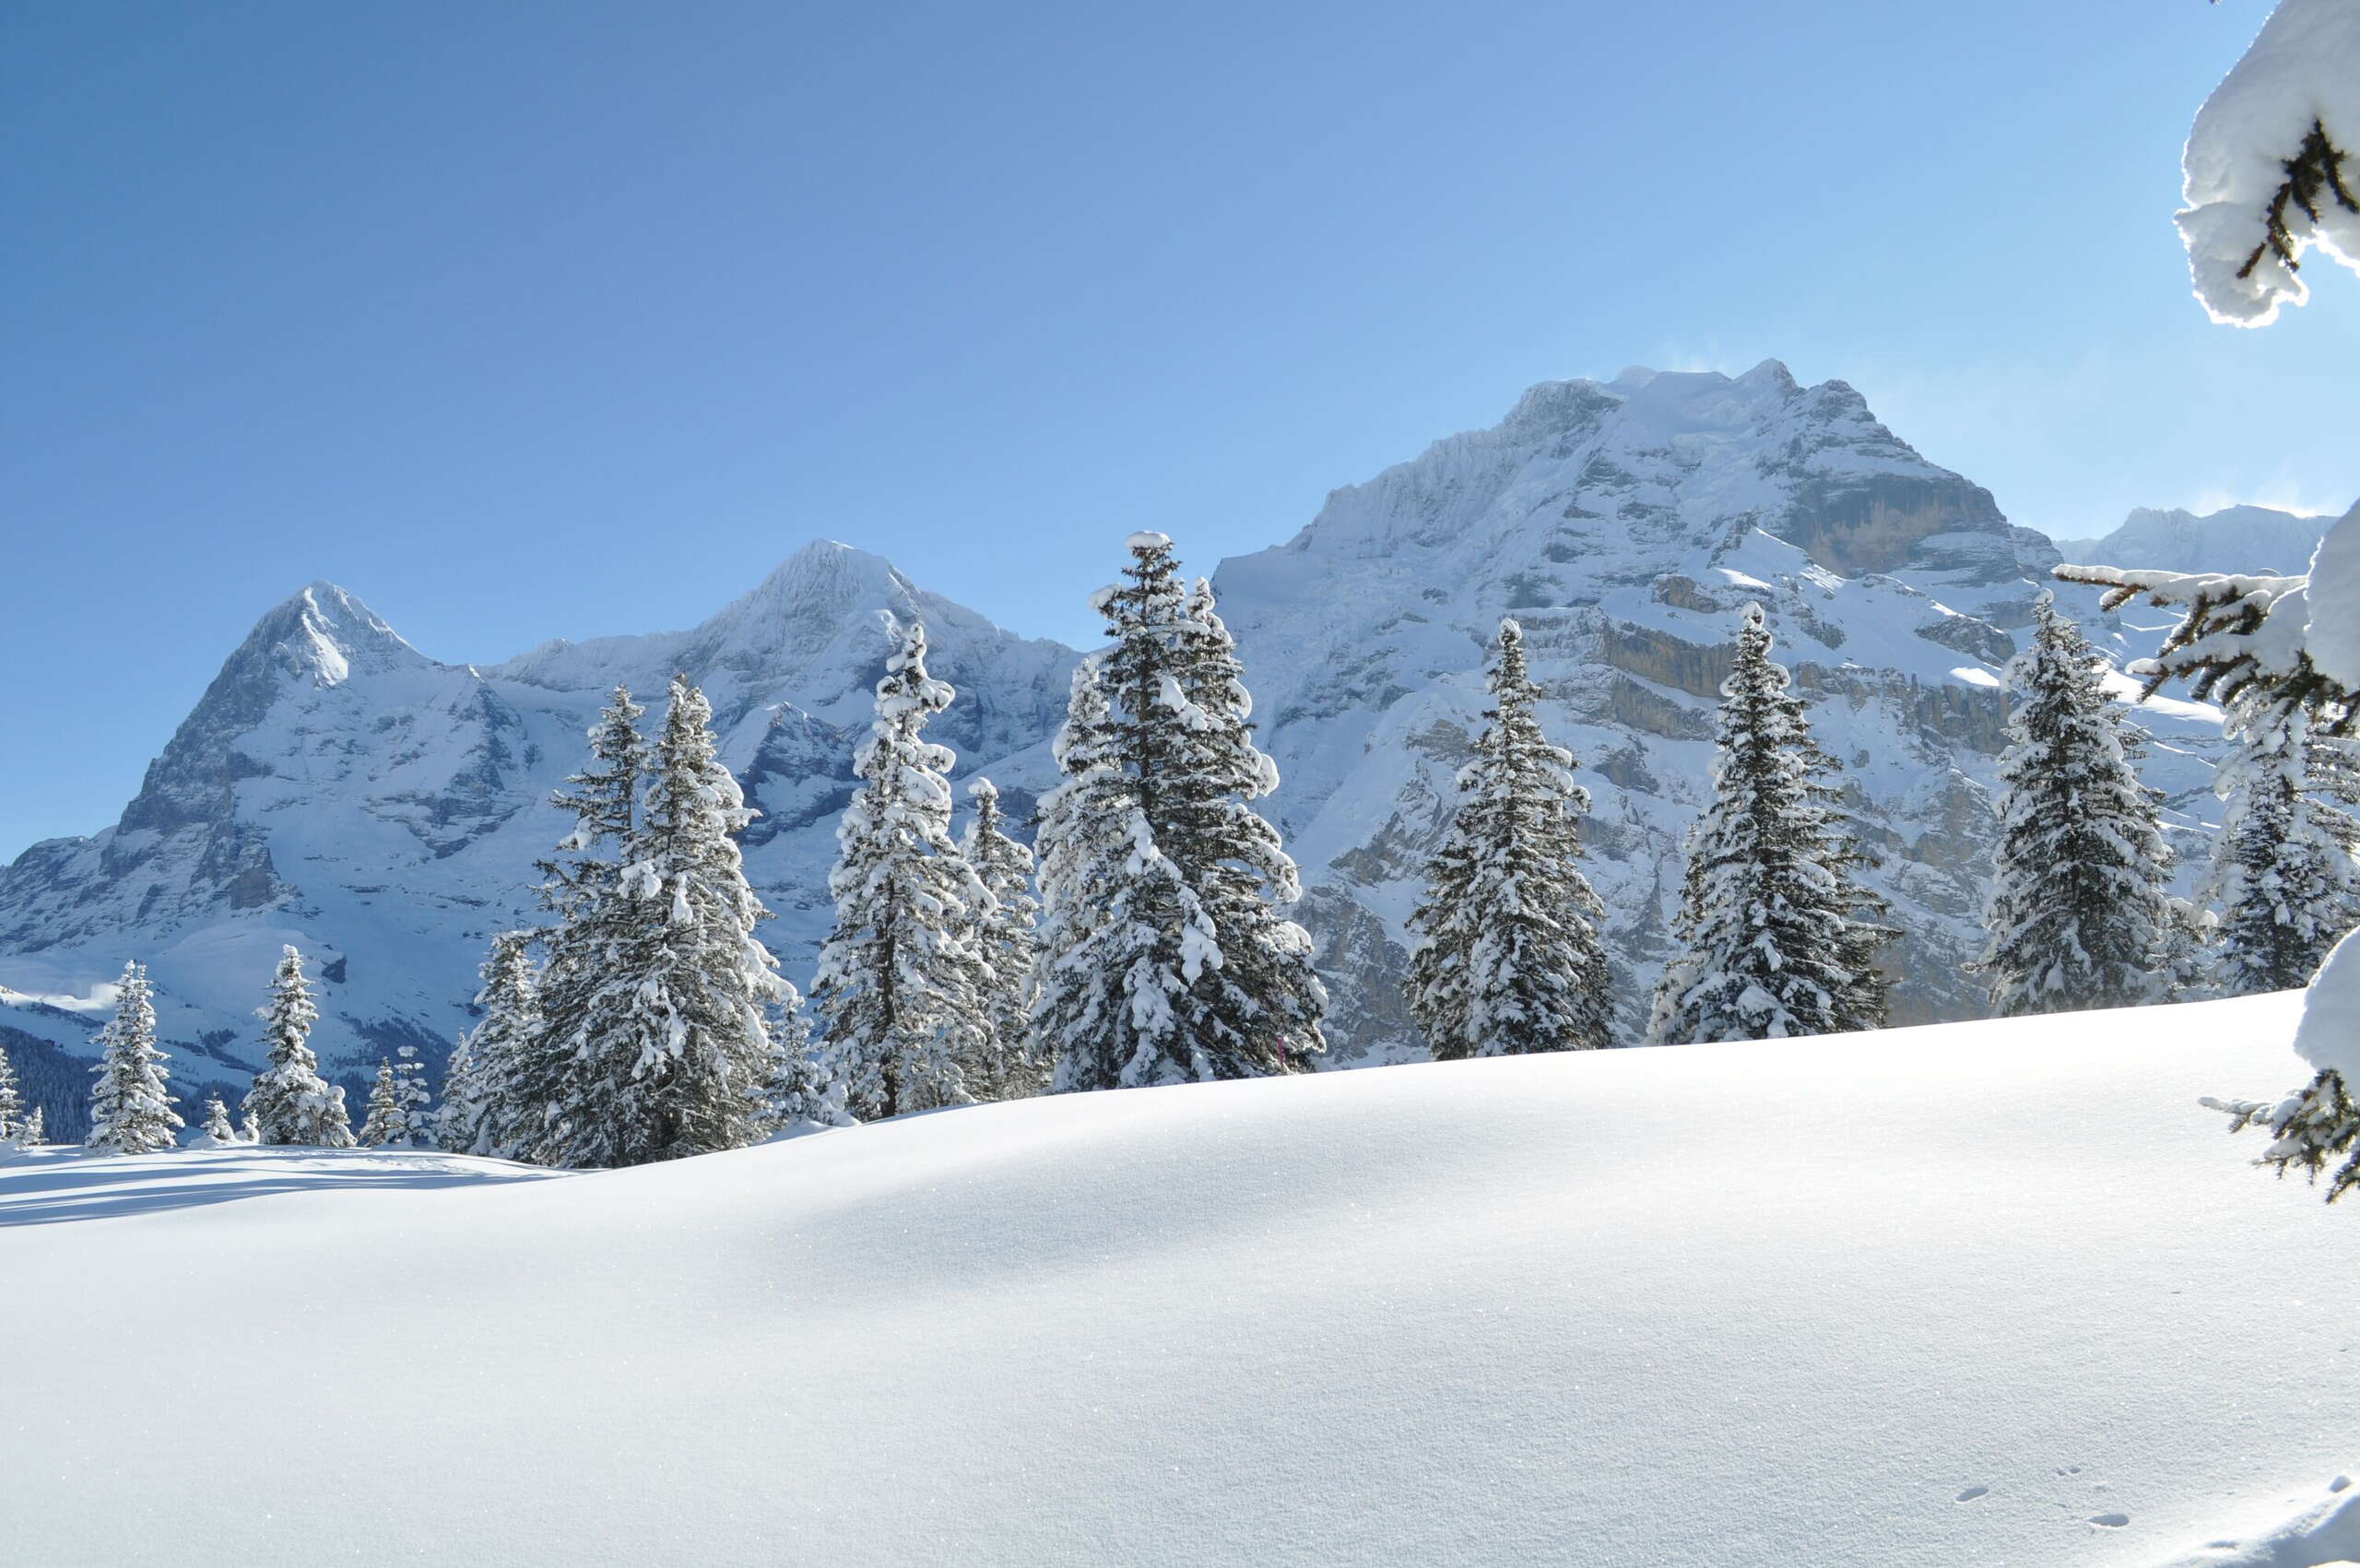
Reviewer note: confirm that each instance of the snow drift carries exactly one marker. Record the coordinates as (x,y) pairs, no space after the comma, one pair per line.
(1939,1298)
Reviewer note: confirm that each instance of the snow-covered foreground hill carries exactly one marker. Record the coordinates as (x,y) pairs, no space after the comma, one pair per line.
(1965,1295)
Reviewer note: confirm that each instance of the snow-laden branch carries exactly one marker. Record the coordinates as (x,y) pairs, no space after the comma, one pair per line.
(2273,164)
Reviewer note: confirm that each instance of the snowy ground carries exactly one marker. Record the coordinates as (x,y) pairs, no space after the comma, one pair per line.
(1978,1295)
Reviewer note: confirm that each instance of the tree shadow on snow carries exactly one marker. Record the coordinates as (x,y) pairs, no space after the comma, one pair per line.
(47,1189)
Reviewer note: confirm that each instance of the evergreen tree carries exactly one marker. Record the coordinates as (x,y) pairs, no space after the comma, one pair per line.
(1777,937)
(289,1102)
(384,1126)
(803,1094)
(1233,973)
(1008,938)
(131,1104)
(1122,937)
(12,1100)
(486,1108)
(1229,853)
(33,1134)
(2078,916)
(2283,866)
(1511,960)
(217,1132)
(675,1047)
(527,1096)
(900,983)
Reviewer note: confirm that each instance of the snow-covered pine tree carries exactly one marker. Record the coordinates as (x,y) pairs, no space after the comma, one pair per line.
(35,1132)
(416,1100)
(804,1092)
(900,988)
(12,1100)
(1007,935)
(484,1106)
(289,1102)
(1511,960)
(2078,916)
(678,1049)
(1122,937)
(1178,729)
(591,925)
(2283,867)
(1777,937)
(1228,852)
(216,1133)
(383,1126)
(131,1104)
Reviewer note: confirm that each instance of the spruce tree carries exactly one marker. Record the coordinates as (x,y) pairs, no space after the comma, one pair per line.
(1510,959)
(290,1102)
(12,1100)
(487,1103)
(592,925)
(805,1094)
(383,1126)
(2283,866)
(1777,939)
(131,1104)
(1006,936)
(1122,937)
(1230,854)
(34,1133)
(677,1046)
(217,1132)
(900,983)
(1234,974)
(2079,916)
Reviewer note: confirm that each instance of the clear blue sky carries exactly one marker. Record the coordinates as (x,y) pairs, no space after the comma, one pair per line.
(524,320)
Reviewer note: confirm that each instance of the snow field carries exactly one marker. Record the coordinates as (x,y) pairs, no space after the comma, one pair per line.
(1977,1294)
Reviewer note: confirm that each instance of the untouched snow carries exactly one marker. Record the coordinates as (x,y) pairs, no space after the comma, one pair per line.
(1953,1297)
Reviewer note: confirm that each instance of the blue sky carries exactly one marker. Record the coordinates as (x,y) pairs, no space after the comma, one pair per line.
(566,319)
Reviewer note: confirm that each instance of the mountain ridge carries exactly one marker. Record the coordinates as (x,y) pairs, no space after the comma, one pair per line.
(337,787)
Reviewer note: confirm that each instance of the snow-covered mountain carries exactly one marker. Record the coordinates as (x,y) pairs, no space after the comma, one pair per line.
(338,788)
(1625,523)
(2236,539)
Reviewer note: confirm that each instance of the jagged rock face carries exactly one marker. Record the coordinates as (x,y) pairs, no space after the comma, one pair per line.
(1624,524)
(338,789)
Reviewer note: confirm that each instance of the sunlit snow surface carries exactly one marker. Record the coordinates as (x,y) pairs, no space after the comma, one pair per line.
(1972,1295)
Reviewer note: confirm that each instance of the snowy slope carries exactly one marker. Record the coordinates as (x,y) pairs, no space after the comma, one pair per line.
(1625,523)
(2235,539)
(1956,1297)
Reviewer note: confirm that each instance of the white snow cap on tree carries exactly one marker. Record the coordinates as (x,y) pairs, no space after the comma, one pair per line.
(2331,626)
(289,1102)
(2272,168)
(131,1107)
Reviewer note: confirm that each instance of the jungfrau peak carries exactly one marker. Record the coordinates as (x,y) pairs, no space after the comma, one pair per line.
(338,789)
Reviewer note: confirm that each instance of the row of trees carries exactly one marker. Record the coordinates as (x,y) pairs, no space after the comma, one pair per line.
(134,1111)
(2082,914)
(1777,936)
(655,1024)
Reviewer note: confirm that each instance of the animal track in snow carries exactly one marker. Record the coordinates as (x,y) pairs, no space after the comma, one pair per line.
(2110,1521)
(1971,1493)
